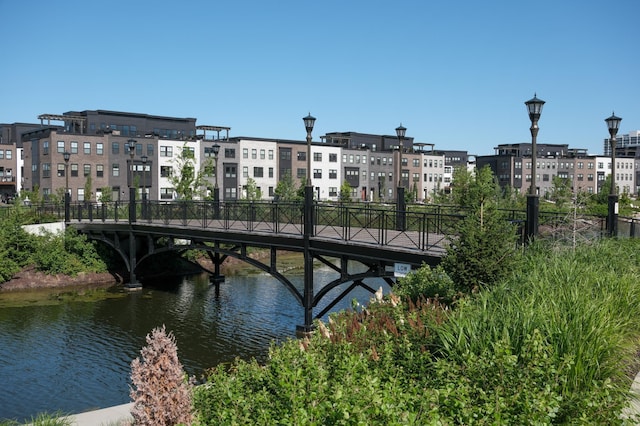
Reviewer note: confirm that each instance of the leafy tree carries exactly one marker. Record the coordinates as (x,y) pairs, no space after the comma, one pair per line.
(253,193)
(286,189)
(88,189)
(105,194)
(561,192)
(186,181)
(345,192)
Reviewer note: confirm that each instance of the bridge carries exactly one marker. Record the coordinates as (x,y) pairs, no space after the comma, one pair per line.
(337,235)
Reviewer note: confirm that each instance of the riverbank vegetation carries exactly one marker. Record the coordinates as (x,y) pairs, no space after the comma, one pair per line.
(66,253)
(552,343)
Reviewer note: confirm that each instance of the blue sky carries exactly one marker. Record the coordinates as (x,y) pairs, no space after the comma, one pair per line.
(455,73)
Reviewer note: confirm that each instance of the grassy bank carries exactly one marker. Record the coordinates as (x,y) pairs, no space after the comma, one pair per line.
(551,344)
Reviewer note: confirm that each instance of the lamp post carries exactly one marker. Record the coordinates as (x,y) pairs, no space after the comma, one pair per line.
(613,123)
(309,121)
(216,190)
(144,159)
(534,107)
(400,204)
(67,197)
(131,145)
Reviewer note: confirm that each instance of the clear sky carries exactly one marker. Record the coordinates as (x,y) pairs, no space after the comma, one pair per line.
(455,73)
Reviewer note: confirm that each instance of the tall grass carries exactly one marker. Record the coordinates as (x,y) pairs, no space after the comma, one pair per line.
(584,303)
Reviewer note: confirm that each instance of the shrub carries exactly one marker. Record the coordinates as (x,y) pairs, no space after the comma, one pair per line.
(160,392)
(428,283)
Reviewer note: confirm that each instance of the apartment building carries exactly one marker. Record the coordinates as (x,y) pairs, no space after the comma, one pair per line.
(11,164)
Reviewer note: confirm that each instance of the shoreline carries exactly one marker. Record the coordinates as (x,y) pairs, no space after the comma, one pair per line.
(31,279)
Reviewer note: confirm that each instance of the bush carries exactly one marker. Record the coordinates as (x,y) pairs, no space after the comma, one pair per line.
(428,283)
(160,393)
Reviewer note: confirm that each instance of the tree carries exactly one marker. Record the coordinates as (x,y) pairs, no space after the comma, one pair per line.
(286,189)
(475,191)
(186,181)
(160,393)
(561,192)
(105,194)
(88,190)
(253,192)
(345,192)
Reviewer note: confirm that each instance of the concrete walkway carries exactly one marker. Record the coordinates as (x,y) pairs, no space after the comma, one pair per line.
(112,416)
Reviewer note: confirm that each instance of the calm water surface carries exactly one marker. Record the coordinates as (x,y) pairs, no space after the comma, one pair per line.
(74,355)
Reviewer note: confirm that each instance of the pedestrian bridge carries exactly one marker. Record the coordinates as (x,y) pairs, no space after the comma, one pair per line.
(385,241)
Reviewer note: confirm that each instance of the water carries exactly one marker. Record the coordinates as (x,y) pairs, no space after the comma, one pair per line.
(75,355)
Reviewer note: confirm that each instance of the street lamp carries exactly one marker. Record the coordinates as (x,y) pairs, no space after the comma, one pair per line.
(144,159)
(67,156)
(307,297)
(534,107)
(131,145)
(613,123)
(216,190)
(400,204)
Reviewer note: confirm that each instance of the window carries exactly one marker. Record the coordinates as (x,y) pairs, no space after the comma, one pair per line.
(416,177)
(80,194)
(258,172)
(333,158)
(229,171)
(229,153)
(333,174)
(245,153)
(230,193)
(270,172)
(301,172)
(138,149)
(302,155)
(188,152)
(262,154)
(254,154)
(86,148)
(115,148)
(166,151)
(317,173)
(150,149)
(74,170)
(166,171)
(46,170)
(166,193)
(87,170)
(245,171)
(115,170)
(61,170)
(60,147)
(416,162)
(99,148)
(1,154)
(317,156)
(45,148)
(333,191)
(99,170)
(74,147)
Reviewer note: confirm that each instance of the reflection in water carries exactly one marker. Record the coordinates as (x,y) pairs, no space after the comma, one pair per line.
(75,356)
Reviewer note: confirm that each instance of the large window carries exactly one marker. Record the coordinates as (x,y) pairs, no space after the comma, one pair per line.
(229,171)
(74,170)
(165,171)
(333,174)
(166,193)
(46,170)
(245,171)
(87,170)
(115,148)
(317,156)
(302,155)
(229,153)
(60,147)
(245,153)
(333,158)
(258,172)
(166,151)
(115,170)
(74,147)
(99,170)
(61,170)
(45,148)
(86,148)
(99,148)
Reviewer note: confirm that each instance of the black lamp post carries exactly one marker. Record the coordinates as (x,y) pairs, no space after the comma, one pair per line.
(613,123)
(216,190)
(144,160)
(309,121)
(534,107)
(400,204)
(67,197)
